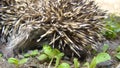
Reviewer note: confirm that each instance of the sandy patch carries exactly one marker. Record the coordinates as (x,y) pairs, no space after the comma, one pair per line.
(113,6)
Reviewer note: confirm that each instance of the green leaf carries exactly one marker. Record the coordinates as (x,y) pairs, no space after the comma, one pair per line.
(34,53)
(110,34)
(58,58)
(60,55)
(118,55)
(47,50)
(0,55)
(76,63)
(102,57)
(42,57)
(50,52)
(55,52)
(22,61)
(13,61)
(57,62)
(93,63)
(105,47)
(64,65)
(27,55)
(86,65)
(118,49)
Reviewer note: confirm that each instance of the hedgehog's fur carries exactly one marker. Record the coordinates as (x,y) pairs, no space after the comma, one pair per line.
(72,26)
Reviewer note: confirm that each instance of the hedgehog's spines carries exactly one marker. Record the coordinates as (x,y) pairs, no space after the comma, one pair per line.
(69,25)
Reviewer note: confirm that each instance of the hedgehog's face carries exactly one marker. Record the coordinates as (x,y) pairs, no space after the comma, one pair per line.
(64,24)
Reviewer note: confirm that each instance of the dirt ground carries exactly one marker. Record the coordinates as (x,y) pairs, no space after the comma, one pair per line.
(113,6)
(34,63)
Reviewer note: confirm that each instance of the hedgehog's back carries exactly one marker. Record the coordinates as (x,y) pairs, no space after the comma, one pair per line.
(72,26)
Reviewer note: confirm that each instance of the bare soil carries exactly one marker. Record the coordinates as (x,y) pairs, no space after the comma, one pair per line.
(112,6)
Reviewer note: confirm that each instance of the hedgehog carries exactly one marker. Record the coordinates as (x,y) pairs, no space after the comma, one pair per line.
(72,26)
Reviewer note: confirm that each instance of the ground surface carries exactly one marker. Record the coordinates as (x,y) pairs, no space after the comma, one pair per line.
(113,6)
(34,63)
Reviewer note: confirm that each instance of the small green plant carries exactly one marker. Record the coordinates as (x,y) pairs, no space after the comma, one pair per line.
(86,65)
(118,55)
(64,65)
(27,55)
(101,57)
(112,27)
(17,62)
(50,53)
(76,63)
(105,47)
(42,57)
(118,49)
(58,58)
(32,53)
(0,55)
(118,52)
